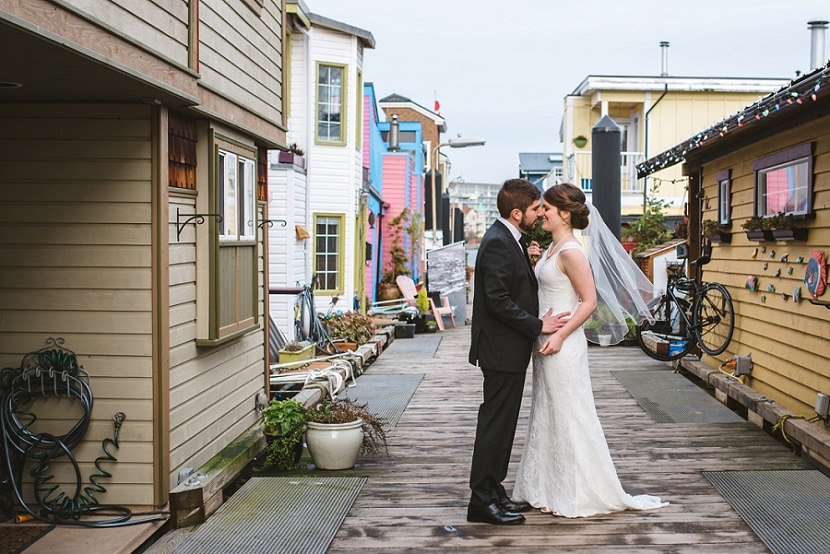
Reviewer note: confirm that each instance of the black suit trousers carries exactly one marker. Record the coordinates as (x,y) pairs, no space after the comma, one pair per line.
(495,431)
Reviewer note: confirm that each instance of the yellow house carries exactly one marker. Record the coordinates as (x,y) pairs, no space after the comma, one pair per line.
(653,113)
(769,158)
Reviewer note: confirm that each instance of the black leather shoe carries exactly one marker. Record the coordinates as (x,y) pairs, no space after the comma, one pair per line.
(513,506)
(493,514)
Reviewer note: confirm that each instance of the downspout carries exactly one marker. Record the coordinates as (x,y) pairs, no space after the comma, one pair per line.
(645,144)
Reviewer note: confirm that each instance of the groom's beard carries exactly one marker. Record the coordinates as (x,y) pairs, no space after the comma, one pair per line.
(527,225)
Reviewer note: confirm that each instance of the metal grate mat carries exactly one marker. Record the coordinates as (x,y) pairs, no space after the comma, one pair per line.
(671,398)
(421,346)
(386,395)
(788,510)
(277,514)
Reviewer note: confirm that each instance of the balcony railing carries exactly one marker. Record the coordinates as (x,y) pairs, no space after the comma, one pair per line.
(579,171)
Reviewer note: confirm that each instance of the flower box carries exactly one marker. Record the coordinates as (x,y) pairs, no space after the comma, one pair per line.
(798,233)
(721,237)
(759,235)
(291,158)
(290,356)
(404,330)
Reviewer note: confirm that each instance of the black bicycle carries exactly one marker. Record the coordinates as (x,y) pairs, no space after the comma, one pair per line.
(307,324)
(689,314)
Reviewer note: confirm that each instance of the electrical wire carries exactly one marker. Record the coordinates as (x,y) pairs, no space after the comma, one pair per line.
(54,373)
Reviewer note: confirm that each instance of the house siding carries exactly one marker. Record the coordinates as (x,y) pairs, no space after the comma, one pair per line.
(786,340)
(159,25)
(240,54)
(75,263)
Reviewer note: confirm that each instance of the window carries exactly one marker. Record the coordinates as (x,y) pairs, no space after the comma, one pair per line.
(724,197)
(328,252)
(237,197)
(330,103)
(784,182)
(228,303)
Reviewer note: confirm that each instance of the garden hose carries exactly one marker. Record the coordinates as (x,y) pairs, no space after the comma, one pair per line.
(55,373)
(779,426)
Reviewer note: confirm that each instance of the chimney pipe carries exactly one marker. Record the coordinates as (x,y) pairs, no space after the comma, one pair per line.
(664,45)
(393,134)
(817,29)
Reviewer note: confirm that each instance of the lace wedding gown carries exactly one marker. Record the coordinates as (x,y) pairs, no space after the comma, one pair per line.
(566,465)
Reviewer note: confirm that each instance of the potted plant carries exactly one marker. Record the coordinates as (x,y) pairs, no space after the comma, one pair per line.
(580,141)
(422,303)
(396,264)
(348,329)
(340,429)
(783,227)
(714,231)
(296,351)
(283,424)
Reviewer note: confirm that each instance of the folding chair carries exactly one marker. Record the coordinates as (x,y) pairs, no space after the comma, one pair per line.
(440,311)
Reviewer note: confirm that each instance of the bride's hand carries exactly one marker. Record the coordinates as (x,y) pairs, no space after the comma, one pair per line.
(552,345)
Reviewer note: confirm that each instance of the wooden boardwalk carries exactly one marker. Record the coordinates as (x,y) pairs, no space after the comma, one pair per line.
(416,499)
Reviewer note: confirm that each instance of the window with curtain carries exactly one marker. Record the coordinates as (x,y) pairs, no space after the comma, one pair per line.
(784,182)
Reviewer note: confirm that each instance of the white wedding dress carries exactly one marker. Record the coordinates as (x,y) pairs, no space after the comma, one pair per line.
(566,465)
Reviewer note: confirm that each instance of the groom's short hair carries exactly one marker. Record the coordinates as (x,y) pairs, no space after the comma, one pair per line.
(516,193)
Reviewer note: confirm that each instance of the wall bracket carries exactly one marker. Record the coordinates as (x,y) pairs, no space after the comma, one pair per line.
(197,219)
(271,222)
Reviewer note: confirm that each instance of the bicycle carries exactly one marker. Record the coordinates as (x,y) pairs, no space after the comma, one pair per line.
(690,313)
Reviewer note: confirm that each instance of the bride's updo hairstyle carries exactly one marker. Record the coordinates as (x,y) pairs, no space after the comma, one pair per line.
(569,198)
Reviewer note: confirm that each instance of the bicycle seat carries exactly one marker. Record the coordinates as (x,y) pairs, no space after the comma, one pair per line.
(685,284)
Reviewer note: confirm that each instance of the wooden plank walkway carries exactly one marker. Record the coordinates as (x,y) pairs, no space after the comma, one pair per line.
(416,499)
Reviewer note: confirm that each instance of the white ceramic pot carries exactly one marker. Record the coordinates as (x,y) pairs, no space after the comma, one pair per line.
(334,445)
(604,340)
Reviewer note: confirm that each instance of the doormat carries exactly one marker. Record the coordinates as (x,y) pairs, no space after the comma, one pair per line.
(788,510)
(386,395)
(17,538)
(671,398)
(277,514)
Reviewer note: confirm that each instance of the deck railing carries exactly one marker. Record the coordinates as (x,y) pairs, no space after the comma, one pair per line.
(578,170)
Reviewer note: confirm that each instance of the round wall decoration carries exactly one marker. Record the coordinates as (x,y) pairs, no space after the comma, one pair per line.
(816,275)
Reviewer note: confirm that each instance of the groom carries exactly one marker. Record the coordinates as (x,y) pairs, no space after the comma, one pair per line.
(504,327)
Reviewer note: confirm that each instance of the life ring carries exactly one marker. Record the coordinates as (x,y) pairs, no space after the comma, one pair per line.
(816,275)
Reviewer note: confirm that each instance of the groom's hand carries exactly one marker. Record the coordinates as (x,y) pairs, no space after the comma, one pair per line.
(552,323)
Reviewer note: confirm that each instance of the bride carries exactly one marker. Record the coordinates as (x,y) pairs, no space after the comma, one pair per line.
(566,468)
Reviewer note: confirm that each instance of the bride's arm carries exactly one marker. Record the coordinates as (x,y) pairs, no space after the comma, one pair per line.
(576,267)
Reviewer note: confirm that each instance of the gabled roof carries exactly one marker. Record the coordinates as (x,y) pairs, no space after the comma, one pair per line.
(395,100)
(763,115)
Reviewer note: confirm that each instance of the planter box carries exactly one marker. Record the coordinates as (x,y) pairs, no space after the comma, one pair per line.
(291,158)
(307,353)
(759,235)
(799,233)
(722,237)
(344,346)
(405,331)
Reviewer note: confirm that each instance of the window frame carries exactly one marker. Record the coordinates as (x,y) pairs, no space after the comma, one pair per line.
(789,158)
(343,104)
(724,180)
(339,236)
(232,297)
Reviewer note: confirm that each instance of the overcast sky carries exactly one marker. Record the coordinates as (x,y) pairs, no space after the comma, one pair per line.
(501,70)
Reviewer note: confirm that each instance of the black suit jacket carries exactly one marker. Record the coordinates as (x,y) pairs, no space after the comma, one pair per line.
(505,304)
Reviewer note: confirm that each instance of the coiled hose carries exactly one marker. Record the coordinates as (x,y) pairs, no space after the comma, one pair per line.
(55,373)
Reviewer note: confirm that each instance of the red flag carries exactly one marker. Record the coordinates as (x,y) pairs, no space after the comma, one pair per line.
(437,107)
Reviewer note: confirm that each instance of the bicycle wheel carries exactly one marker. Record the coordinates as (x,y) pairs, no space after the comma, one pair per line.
(668,337)
(714,320)
(303,315)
